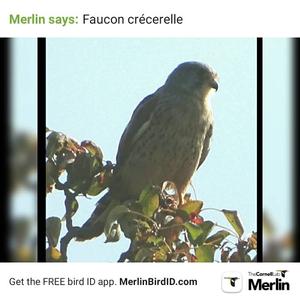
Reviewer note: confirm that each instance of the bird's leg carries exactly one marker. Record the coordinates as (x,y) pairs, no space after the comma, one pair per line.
(181,199)
(181,194)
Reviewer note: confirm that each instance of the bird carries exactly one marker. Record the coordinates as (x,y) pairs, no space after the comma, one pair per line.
(167,139)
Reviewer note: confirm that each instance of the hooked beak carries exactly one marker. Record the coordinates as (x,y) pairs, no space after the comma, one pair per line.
(215,84)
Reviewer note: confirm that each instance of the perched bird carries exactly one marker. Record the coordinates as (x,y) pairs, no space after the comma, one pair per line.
(166,139)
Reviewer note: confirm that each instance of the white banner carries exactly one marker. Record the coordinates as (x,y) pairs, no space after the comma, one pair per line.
(149,281)
(133,18)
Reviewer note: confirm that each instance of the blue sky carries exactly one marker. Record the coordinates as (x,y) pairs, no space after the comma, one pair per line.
(93,85)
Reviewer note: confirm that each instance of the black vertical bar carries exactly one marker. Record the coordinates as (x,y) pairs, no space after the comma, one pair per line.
(41,129)
(5,98)
(295,155)
(259,149)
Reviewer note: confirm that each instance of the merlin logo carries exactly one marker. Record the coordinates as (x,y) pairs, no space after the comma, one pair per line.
(232,282)
(269,281)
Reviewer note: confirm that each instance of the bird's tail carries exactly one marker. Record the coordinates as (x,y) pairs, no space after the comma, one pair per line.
(94,226)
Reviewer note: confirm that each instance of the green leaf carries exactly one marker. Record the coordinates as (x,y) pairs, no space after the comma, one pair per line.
(155,240)
(55,143)
(205,253)
(53,255)
(217,238)
(192,206)
(234,220)
(247,258)
(114,234)
(51,175)
(127,226)
(198,233)
(92,148)
(144,254)
(133,229)
(82,172)
(114,214)
(74,207)
(149,200)
(160,255)
(79,172)
(96,186)
(51,171)
(53,227)
(95,165)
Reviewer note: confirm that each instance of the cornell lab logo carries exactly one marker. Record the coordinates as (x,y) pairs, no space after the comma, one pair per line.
(232,282)
(268,281)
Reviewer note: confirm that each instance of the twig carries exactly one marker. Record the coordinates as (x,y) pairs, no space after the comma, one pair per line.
(64,242)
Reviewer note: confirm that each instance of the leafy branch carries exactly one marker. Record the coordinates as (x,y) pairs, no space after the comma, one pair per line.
(159,229)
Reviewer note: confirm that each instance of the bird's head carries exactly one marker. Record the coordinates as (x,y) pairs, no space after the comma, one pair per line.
(195,77)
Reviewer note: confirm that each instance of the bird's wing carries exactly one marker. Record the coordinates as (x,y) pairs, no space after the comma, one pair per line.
(138,123)
(206,145)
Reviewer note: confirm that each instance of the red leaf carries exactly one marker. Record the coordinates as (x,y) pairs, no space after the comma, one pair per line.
(196,219)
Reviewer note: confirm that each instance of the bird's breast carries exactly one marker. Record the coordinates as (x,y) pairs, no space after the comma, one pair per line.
(168,149)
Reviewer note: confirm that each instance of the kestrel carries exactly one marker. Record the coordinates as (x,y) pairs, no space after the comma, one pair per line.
(167,139)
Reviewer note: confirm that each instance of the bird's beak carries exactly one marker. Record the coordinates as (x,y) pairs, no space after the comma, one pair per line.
(215,84)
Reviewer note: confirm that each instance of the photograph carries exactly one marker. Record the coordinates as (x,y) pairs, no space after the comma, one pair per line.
(151,149)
